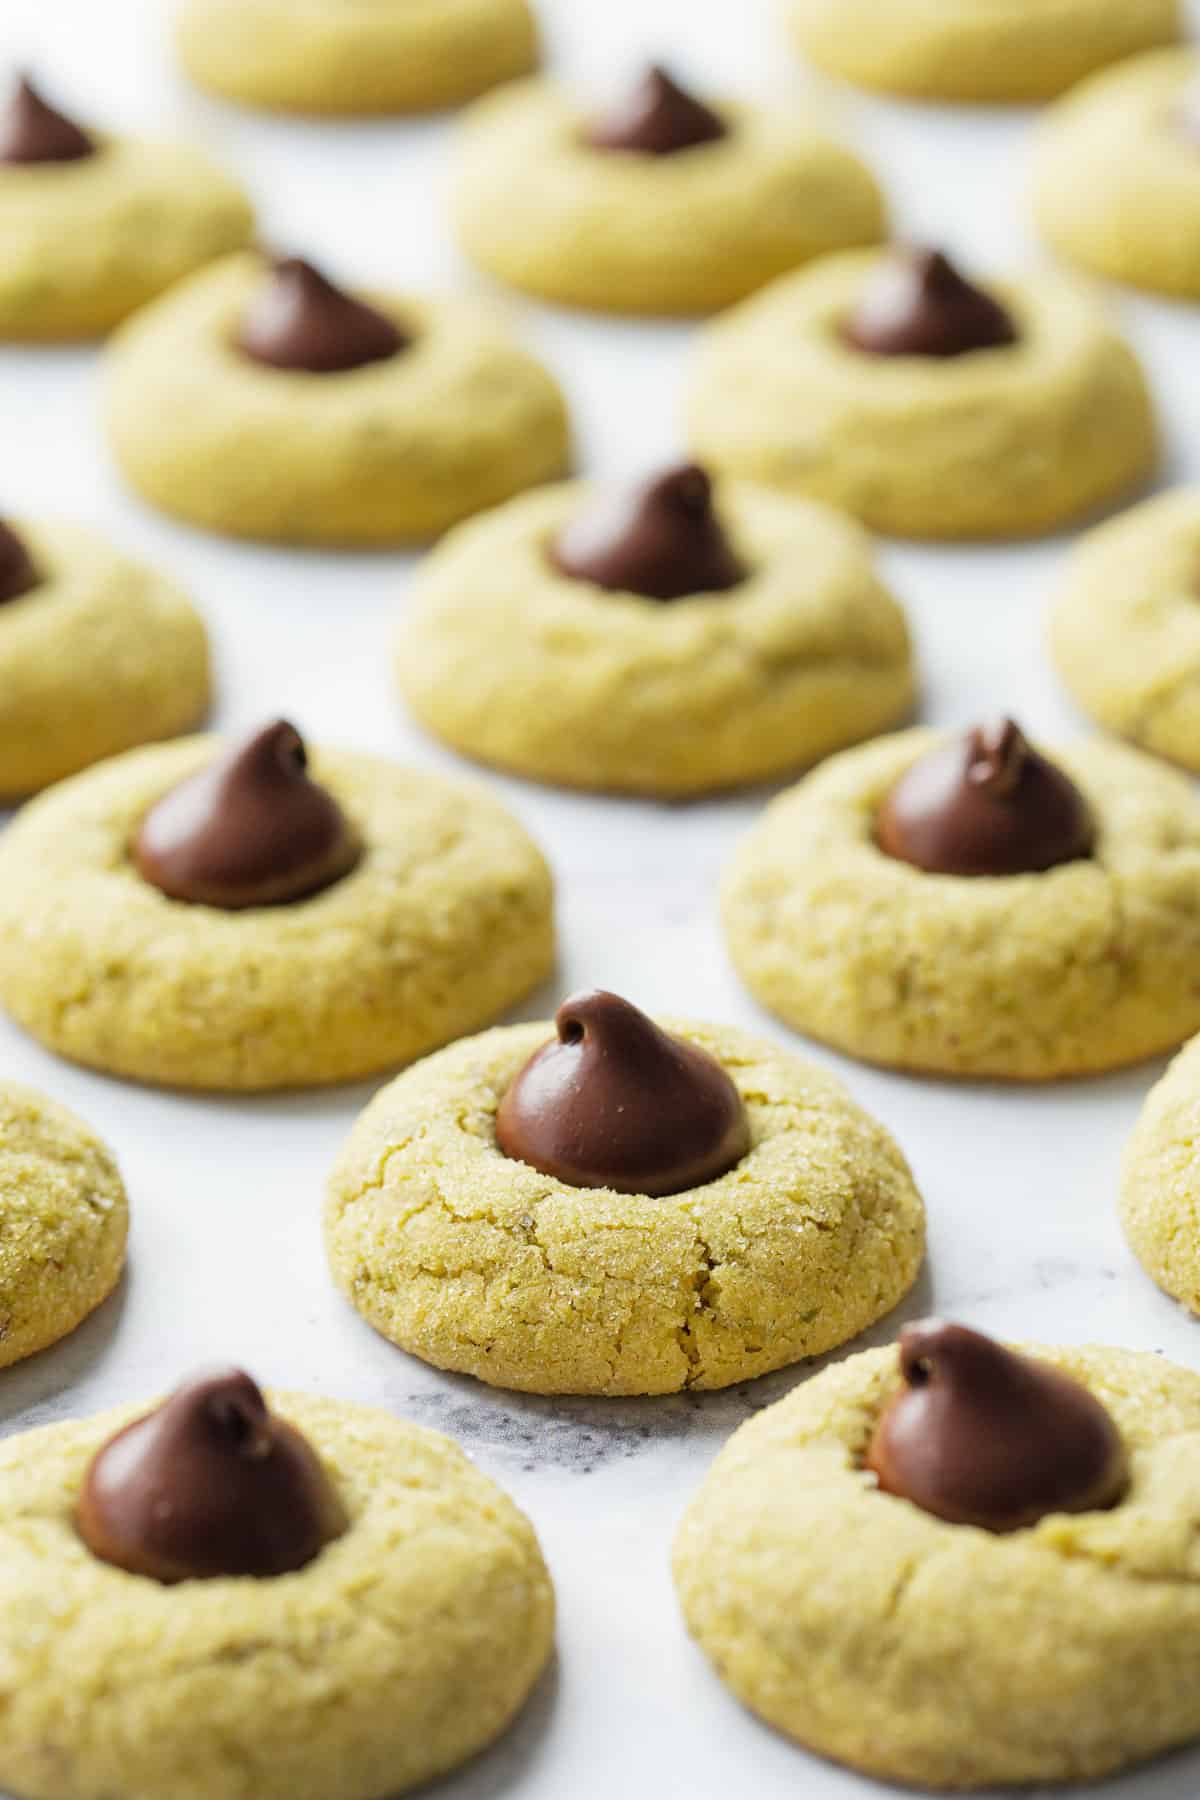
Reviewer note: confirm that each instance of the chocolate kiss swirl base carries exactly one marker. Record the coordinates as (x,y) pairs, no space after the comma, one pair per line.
(918,304)
(615,1102)
(933,1654)
(661,539)
(31,131)
(657,118)
(299,320)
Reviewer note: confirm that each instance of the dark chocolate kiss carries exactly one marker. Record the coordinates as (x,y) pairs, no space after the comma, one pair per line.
(657,117)
(17,573)
(917,304)
(252,829)
(661,539)
(299,320)
(985,804)
(211,1483)
(32,132)
(981,1436)
(615,1102)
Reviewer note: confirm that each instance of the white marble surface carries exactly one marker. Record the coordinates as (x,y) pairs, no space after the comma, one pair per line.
(226,1258)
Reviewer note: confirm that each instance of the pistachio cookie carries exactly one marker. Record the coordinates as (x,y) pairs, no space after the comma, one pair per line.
(997,50)
(344,57)
(662,204)
(623,1209)
(222,1599)
(929,407)
(209,918)
(966,906)
(956,1566)
(64,1219)
(660,640)
(266,403)
(1117,174)
(97,653)
(1125,626)
(94,226)
(1160,1181)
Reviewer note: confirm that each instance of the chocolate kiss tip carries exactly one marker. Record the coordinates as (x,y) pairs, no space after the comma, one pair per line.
(916,303)
(661,539)
(658,117)
(251,829)
(985,803)
(614,1101)
(17,573)
(31,131)
(209,1484)
(979,1435)
(300,320)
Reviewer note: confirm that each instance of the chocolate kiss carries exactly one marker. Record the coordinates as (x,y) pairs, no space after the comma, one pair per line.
(209,1484)
(299,320)
(252,829)
(32,132)
(17,573)
(657,117)
(614,1102)
(917,304)
(661,539)
(985,804)
(981,1436)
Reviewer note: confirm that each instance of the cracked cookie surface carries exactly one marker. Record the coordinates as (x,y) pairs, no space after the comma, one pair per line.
(478,1263)
(516,664)
(355,56)
(1089,966)
(391,453)
(64,1219)
(997,50)
(88,242)
(1125,626)
(943,1655)
(408,1645)
(539,207)
(103,654)
(445,921)
(1003,442)
(1160,1181)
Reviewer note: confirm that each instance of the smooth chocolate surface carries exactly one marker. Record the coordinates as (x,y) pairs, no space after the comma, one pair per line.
(31,131)
(299,320)
(211,1483)
(614,1101)
(918,304)
(661,539)
(657,117)
(17,573)
(986,803)
(252,829)
(979,1435)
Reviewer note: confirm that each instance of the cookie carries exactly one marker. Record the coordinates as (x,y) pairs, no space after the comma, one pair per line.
(531,1271)
(405,1646)
(266,403)
(1125,626)
(228,921)
(1160,1182)
(1073,951)
(940,1654)
(329,57)
(774,644)
(94,225)
(1116,178)
(1006,50)
(64,1219)
(97,653)
(667,205)
(889,388)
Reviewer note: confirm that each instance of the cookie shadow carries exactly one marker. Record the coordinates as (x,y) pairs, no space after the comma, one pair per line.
(32,1391)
